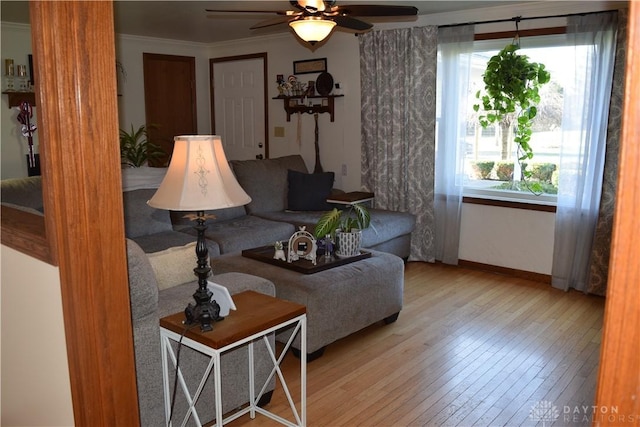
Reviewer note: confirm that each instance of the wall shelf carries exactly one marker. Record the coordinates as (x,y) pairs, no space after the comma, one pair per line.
(16,98)
(300,104)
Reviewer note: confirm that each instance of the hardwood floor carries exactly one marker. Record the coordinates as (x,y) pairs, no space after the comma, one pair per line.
(469,348)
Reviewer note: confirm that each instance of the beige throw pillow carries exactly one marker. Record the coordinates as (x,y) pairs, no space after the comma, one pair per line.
(174,266)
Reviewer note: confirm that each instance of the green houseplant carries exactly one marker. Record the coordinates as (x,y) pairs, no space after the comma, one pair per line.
(135,148)
(344,227)
(510,98)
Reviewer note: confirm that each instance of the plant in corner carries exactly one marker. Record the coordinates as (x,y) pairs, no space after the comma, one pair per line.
(135,148)
(510,98)
(345,228)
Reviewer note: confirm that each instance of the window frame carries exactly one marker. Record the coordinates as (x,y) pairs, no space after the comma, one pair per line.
(518,200)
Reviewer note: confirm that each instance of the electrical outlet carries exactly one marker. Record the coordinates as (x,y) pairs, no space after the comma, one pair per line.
(344,170)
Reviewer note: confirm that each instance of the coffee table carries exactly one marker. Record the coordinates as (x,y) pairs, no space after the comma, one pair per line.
(339,300)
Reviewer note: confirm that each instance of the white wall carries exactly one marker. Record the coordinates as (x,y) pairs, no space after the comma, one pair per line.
(339,140)
(34,371)
(16,44)
(506,237)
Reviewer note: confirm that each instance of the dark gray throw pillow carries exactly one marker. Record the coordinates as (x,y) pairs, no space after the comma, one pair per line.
(309,191)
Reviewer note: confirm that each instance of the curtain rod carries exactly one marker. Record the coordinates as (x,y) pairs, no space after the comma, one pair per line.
(517,19)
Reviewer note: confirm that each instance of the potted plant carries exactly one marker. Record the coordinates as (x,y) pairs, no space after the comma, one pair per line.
(135,148)
(510,98)
(344,227)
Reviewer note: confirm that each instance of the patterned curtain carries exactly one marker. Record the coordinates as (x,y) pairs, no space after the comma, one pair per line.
(398,84)
(599,268)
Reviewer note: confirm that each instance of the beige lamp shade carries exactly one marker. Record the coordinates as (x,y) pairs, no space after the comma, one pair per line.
(312,29)
(199,177)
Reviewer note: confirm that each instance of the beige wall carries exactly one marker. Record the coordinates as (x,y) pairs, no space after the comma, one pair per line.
(33,363)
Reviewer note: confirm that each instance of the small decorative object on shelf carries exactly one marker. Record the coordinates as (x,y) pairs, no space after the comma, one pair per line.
(9,76)
(302,244)
(328,247)
(23,79)
(279,254)
(311,88)
(28,128)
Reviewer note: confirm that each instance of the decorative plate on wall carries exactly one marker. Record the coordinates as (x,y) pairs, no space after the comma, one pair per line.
(324,84)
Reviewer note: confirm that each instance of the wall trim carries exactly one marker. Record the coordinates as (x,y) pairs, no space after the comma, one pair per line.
(521,274)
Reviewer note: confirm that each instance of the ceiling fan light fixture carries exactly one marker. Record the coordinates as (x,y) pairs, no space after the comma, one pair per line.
(312,29)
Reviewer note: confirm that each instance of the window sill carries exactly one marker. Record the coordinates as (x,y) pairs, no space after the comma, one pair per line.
(508,203)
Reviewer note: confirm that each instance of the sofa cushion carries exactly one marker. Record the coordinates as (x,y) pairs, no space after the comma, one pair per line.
(173,300)
(168,239)
(141,219)
(25,192)
(142,177)
(385,225)
(174,266)
(266,181)
(143,289)
(246,232)
(309,191)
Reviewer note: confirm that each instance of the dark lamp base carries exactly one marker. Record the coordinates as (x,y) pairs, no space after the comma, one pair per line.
(205,311)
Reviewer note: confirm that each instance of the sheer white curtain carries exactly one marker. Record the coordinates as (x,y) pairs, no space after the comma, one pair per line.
(584,130)
(455,47)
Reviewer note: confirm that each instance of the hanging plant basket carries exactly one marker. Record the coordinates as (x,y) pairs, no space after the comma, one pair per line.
(511,95)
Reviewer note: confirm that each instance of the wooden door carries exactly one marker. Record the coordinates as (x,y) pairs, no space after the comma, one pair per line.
(170,99)
(239,108)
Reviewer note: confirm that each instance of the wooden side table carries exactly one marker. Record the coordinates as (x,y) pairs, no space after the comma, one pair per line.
(256,317)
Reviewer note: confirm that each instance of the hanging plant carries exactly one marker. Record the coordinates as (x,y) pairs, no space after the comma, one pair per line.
(510,97)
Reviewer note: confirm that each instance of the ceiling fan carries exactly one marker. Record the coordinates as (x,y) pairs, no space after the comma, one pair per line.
(313,20)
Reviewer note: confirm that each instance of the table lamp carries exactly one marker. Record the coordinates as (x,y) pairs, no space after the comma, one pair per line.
(199,178)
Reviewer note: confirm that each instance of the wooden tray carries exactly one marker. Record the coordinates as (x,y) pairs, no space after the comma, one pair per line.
(304,266)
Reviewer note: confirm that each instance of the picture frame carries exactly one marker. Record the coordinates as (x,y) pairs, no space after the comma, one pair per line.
(309,66)
(302,245)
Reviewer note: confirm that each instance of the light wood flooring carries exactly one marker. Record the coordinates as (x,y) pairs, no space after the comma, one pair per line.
(469,348)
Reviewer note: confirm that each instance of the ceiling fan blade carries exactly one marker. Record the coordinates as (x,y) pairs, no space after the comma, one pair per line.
(277,12)
(374,10)
(351,23)
(271,22)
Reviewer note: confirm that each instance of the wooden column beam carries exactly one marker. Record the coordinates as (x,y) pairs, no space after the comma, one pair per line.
(74,58)
(619,373)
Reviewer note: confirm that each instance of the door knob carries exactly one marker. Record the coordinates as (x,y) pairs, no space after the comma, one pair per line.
(259,156)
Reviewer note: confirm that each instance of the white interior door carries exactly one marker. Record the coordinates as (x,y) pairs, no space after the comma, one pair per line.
(239,107)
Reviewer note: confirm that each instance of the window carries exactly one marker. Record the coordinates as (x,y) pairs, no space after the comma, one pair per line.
(490,161)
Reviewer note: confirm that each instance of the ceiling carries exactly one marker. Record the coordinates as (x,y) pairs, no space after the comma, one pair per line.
(188,21)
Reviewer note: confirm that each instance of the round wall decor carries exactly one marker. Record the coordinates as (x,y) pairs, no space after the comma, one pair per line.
(324,84)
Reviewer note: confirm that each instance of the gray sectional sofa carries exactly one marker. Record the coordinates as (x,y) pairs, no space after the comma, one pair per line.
(265,220)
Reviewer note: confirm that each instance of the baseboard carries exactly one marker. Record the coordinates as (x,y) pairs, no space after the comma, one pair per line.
(521,274)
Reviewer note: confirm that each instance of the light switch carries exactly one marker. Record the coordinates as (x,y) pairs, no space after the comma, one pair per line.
(278,131)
